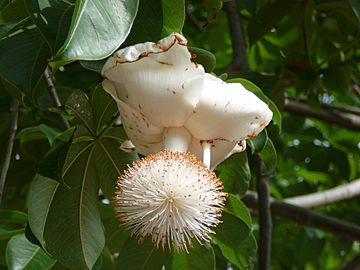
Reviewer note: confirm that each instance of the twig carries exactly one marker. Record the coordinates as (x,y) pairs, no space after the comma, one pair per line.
(330,107)
(239,60)
(14,113)
(265,221)
(353,264)
(326,197)
(307,217)
(53,93)
(191,17)
(344,120)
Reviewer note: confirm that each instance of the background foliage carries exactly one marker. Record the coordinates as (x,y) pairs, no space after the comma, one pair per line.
(297,52)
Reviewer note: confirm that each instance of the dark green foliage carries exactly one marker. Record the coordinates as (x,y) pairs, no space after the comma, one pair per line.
(52,215)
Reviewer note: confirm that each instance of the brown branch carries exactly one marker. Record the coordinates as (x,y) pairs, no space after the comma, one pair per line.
(340,193)
(344,120)
(192,18)
(330,107)
(265,220)
(307,217)
(239,59)
(14,113)
(53,93)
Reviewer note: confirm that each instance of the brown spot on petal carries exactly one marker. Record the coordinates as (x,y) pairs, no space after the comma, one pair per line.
(164,63)
(193,55)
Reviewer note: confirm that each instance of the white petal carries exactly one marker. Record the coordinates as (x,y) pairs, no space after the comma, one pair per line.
(146,137)
(227,111)
(158,79)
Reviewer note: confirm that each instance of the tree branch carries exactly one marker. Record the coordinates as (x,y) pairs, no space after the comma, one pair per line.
(344,120)
(53,93)
(265,221)
(192,18)
(307,217)
(239,60)
(14,113)
(326,197)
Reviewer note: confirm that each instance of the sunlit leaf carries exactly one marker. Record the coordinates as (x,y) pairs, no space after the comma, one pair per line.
(97,29)
(173,16)
(22,254)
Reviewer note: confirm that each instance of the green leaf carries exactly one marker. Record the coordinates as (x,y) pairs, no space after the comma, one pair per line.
(22,254)
(52,163)
(78,108)
(173,16)
(212,8)
(14,11)
(41,193)
(148,23)
(95,65)
(104,108)
(267,18)
(237,208)
(135,256)
(235,173)
(203,57)
(23,58)
(48,15)
(11,223)
(73,232)
(12,216)
(200,257)
(277,117)
(236,242)
(110,161)
(355,5)
(269,156)
(97,29)
(259,142)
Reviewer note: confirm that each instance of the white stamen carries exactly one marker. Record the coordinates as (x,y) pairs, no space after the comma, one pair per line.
(171,197)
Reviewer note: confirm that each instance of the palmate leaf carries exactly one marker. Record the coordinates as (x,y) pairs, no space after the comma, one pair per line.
(66,220)
(97,29)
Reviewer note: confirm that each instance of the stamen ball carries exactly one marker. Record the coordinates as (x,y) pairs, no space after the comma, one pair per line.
(171,197)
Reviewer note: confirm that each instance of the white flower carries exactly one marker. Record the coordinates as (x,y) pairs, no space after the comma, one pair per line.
(171,197)
(157,87)
(166,101)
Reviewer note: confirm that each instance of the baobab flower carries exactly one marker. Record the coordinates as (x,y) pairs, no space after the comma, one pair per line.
(170,196)
(166,101)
